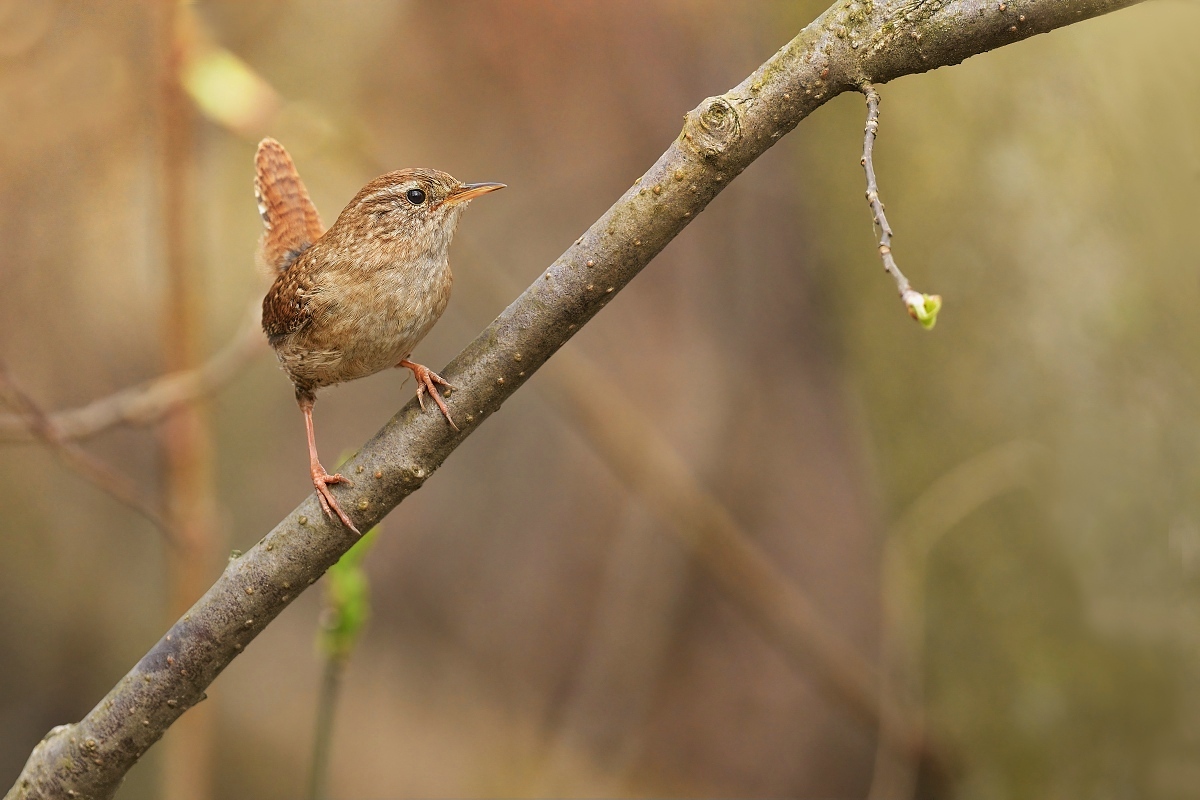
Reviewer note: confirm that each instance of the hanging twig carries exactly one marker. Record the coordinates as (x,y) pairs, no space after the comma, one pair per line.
(923,307)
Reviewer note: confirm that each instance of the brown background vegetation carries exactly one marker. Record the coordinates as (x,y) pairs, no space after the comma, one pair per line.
(534,632)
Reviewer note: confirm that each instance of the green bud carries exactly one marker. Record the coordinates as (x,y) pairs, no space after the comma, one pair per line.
(924,308)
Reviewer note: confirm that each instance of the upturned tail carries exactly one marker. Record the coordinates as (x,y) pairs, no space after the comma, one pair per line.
(290,220)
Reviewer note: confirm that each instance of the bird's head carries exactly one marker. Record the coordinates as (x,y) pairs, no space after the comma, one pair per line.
(417,208)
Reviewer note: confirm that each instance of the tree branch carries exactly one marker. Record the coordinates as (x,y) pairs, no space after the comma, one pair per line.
(149,402)
(848,45)
(95,470)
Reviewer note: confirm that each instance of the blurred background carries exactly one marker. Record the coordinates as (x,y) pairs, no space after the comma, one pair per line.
(1000,516)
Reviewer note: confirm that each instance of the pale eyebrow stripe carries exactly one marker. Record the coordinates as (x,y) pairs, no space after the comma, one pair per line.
(393,192)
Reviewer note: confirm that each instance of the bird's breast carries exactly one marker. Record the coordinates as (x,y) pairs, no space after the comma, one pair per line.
(403,302)
(394,308)
(367,324)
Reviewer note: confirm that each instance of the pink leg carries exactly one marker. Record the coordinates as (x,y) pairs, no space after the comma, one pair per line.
(426,378)
(322,479)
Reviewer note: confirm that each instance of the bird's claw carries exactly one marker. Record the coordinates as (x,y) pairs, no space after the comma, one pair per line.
(329,504)
(428,381)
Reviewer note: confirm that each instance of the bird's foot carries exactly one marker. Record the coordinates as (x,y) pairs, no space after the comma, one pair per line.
(426,380)
(329,504)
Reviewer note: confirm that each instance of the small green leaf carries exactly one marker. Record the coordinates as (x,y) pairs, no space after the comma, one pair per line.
(924,308)
(347,601)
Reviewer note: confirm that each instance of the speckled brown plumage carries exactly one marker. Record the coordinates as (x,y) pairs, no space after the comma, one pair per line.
(356,299)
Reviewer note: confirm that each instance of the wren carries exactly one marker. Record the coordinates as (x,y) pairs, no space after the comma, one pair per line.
(356,299)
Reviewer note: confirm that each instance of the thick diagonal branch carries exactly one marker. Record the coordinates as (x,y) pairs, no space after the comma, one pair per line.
(847,46)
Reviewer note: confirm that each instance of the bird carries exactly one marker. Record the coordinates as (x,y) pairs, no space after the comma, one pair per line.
(354,300)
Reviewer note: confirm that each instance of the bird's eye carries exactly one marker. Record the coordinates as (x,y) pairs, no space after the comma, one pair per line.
(415,196)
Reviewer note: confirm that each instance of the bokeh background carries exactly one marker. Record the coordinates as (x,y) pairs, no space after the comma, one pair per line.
(1017,488)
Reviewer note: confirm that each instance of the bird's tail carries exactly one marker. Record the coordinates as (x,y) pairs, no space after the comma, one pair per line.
(290,220)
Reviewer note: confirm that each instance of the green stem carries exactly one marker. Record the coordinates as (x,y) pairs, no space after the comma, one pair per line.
(331,682)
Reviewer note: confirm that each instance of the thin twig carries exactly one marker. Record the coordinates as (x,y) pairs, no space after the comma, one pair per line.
(149,402)
(94,470)
(915,301)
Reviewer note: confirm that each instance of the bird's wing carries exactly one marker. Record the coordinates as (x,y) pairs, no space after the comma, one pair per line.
(290,220)
(286,309)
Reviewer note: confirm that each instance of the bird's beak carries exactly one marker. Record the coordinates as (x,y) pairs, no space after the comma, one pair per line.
(469,191)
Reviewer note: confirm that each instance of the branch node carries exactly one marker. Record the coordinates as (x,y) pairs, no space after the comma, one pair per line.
(713,127)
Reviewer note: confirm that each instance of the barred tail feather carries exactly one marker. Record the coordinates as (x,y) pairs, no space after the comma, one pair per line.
(290,220)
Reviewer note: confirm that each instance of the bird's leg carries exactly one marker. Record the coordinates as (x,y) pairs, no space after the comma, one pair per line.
(426,378)
(321,479)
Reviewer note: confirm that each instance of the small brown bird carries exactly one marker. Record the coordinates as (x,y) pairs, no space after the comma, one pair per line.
(356,299)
